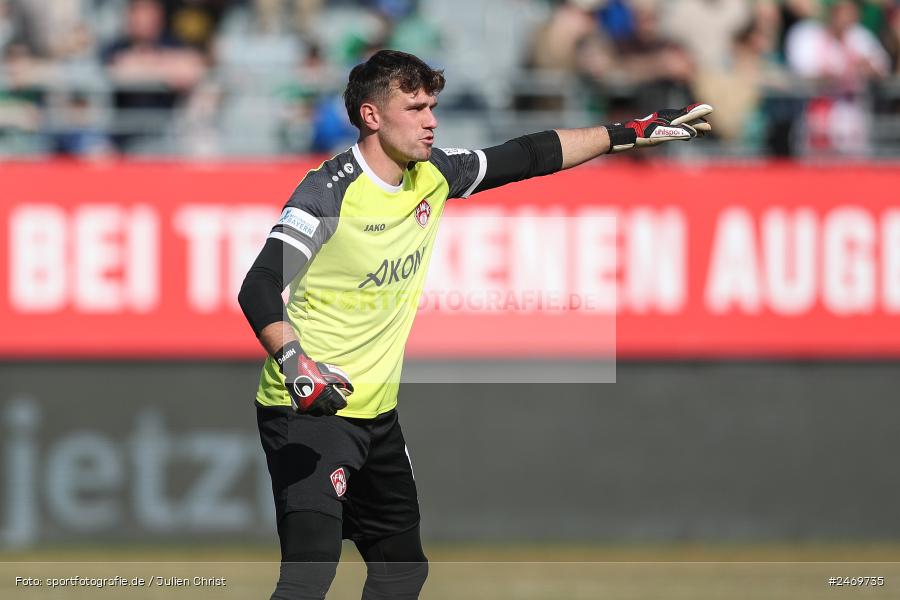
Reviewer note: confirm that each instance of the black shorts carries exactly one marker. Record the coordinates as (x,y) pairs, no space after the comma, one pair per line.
(357,470)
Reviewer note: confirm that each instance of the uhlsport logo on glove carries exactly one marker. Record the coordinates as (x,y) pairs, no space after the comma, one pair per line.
(303,386)
(668,132)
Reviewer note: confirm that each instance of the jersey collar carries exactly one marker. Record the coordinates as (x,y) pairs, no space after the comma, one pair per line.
(368,171)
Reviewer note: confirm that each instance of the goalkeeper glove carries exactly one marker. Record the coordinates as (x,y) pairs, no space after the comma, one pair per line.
(315,388)
(662,126)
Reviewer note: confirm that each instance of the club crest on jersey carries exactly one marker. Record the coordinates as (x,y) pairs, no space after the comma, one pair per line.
(339,481)
(423,211)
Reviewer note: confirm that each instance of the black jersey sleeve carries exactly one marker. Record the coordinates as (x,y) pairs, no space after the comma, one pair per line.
(308,220)
(260,297)
(521,158)
(463,169)
(473,171)
(310,216)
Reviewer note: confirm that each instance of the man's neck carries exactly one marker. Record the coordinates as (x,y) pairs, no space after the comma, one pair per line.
(389,170)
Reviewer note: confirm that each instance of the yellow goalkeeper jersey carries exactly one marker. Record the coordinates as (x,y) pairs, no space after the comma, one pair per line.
(368,245)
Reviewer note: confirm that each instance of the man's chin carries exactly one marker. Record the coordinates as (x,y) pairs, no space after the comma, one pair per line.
(421,155)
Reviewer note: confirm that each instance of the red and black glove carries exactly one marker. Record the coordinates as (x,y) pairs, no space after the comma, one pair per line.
(315,388)
(662,126)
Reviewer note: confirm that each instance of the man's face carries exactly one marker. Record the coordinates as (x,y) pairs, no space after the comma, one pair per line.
(844,15)
(407,125)
(145,21)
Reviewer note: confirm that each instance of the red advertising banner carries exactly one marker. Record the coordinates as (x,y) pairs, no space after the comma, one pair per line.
(135,260)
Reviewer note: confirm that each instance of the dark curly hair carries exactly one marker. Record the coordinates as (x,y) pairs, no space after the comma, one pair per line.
(372,80)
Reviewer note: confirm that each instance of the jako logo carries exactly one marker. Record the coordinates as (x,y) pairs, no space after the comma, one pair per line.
(423,211)
(374,227)
(395,270)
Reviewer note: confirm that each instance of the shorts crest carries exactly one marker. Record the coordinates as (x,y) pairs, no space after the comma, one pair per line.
(339,481)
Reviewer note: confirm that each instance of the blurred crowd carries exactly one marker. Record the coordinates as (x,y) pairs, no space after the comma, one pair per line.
(212,77)
(95,77)
(787,77)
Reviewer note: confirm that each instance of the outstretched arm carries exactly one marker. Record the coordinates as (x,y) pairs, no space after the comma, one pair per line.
(581,145)
(547,152)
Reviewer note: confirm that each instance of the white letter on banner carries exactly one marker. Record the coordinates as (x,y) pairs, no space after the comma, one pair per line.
(223,456)
(152,447)
(789,257)
(482,256)
(849,265)
(596,258)
(83,471)
(248,226)
(443,273)
(890,256)
(37,258)
(142,278)
(537,253)
(203,227)
(734,273)
(654,262)
(98,253)
(19,468)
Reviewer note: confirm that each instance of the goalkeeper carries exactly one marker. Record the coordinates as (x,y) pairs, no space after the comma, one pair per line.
(364,224)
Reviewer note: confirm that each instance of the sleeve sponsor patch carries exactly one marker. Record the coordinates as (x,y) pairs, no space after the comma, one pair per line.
(299,220)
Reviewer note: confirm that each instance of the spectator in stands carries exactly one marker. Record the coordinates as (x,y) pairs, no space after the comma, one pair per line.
(395,24)
(794,12)
(19,107)
(6,24)
(747,90)
(52,31)
(20,98)
(706,28)
(657,69)
(36,40)
(195,23)
(616,17)
(199,124)
(890,37)
(51,63)
(331,128)
(873,14)
(77,132)
(842,57)
(410,31)
(570,41)
(151,73)
(314,118)
(302,17)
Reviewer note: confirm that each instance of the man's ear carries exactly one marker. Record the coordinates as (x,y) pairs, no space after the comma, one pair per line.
(370,116)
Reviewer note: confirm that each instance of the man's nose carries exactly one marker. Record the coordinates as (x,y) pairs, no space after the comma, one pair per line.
(430,120)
